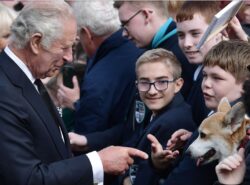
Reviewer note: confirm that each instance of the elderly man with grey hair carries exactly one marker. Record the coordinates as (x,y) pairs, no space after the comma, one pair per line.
(108,88)
(34,143)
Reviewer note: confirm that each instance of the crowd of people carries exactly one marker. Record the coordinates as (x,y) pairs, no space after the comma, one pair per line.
(126,113)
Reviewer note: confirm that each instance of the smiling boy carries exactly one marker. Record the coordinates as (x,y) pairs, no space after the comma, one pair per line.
(159,83)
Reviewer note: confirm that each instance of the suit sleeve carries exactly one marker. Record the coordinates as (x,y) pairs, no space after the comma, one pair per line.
(20,162)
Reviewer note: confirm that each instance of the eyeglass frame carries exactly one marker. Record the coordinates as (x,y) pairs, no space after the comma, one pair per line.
(124,23)
(153,83)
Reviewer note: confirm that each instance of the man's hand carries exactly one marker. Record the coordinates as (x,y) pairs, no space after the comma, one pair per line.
(231,170)
(67,96)
(78,142)
(160,158)
(178,139)
(116,159)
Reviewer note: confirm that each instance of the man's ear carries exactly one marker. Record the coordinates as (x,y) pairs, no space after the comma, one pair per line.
(178,84)
(85,32)
(35,42)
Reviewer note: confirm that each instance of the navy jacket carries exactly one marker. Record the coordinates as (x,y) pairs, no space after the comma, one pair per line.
(32,149)
(246,180)
(108,87)
(197,102)
(162,127)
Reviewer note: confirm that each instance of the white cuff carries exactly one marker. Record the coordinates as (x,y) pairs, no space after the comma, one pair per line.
(97,168)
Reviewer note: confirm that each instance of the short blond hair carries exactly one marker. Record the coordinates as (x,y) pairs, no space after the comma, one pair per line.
(161,55)
(160,5)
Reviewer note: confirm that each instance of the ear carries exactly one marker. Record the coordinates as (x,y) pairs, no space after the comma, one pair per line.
(224,105)
(35,42)
(85,32)
(218,37)
(178,84)
(148,14)
(235,116)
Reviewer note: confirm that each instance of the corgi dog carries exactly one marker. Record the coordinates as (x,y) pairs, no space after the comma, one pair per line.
(220,134)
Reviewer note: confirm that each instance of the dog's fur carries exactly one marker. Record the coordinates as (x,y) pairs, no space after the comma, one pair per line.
(220,134)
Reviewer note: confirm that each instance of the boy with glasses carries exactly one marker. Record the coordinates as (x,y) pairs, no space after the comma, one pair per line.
(148,25)
(158,82)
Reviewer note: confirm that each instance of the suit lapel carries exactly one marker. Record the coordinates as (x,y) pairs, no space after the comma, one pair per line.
(36,101)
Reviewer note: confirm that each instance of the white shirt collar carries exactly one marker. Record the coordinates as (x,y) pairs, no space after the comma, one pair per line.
(20,64)
(197,72)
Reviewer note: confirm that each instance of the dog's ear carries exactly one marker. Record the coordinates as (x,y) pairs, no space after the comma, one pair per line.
(235,116)
(224,105)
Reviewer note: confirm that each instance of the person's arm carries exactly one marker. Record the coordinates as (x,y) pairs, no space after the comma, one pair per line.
(97,140)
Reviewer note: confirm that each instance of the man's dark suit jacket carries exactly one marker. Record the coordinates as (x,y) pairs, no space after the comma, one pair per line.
(32,149)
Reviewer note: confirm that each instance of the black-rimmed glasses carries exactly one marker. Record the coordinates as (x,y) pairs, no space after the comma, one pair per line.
(124,23)
(159,85)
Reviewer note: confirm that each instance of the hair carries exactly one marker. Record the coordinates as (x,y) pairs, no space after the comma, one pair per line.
(7,16)
(160,6)
(161,55)
(241,13)
(98,16)
(44,17)
(173,7)
(205,8)
(232,56)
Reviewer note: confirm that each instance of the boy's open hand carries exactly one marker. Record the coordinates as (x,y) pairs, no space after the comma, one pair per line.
(160,158)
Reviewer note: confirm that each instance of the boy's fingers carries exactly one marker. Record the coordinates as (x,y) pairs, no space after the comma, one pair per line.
(152,139)
(241,152)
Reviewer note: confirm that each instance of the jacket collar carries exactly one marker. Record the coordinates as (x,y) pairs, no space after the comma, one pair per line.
(114,41)
(29,92)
